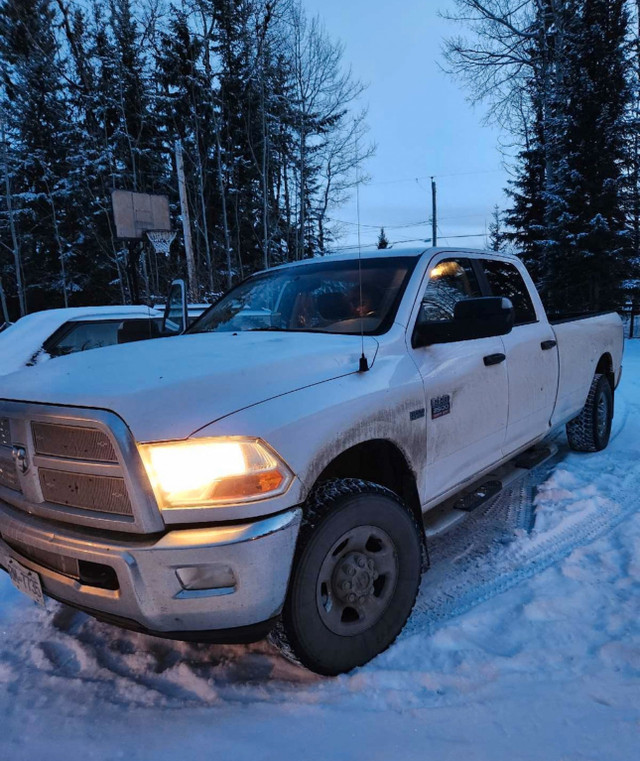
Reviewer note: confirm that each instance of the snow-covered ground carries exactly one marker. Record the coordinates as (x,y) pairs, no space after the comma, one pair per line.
(524,644)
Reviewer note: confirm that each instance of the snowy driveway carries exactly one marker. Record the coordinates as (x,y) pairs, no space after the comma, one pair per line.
(524,644)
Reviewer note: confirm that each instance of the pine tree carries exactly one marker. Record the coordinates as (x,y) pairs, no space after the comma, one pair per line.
(525,217)
(93,101)
(36,124)
(556,74)
(497,234)
(185,109)
(589,244)
(383,241)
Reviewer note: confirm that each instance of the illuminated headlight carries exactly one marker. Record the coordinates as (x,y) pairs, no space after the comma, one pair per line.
(210,472)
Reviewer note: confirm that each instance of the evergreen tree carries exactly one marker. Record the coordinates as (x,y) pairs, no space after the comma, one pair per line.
(497,234)
(383,241)
(589,244)
(525,218)
(35,113)
(557,75)
(93,100)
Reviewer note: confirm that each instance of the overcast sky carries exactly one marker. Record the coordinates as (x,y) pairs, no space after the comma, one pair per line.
(421,122)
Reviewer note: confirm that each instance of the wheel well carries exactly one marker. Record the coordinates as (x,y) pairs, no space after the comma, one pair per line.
(381,462)
(605,364)
(605,367)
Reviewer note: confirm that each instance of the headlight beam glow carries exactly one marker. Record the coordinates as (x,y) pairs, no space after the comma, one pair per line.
(206,472)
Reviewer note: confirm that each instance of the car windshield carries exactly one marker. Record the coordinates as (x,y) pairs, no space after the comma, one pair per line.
(325,297)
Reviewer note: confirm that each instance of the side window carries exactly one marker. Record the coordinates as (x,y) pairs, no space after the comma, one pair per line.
(451,280)
(505,280)
(84,336)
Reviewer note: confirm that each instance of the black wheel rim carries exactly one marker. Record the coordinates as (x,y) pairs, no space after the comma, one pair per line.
(357,580)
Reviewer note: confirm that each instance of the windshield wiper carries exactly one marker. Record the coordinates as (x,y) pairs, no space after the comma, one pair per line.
(263,330)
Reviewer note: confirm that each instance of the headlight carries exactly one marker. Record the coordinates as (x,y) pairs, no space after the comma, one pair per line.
(210,472)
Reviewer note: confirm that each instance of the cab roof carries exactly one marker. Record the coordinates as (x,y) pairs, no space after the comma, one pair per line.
(385,253)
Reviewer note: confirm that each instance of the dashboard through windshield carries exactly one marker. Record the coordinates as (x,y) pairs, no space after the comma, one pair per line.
(325,297)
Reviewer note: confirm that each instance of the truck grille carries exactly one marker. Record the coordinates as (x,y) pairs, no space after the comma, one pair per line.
(79,466)
(72,442)
(102,494)
(8,474)
(5,432)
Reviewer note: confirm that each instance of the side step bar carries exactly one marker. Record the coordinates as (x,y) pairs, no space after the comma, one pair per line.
(447,514)
(481,494)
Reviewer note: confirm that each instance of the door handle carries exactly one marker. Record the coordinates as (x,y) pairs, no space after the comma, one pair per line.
(546,345)
(494,359)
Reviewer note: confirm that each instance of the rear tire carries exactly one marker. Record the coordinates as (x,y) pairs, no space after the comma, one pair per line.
(355,577)
(591,430)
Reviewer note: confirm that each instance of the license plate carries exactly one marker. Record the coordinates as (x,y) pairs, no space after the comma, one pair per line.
(28,582)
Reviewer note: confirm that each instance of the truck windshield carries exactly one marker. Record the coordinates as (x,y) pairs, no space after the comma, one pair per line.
(323,297)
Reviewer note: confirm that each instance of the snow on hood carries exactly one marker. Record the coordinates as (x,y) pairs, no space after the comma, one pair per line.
(170,387)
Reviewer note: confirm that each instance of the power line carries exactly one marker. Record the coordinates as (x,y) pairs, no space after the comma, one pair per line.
(438,176)
(354,247)
(377,227)
(404,225)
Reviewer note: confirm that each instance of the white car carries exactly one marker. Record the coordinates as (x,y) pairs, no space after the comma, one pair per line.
(51,333)
(281,466)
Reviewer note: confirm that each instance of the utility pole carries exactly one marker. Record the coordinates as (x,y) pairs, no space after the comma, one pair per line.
(434,213)
(186,224)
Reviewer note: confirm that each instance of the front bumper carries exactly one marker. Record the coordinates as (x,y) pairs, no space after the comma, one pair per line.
(149,594)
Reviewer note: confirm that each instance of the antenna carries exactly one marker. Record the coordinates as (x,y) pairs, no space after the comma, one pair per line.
(434,213)
(364,362)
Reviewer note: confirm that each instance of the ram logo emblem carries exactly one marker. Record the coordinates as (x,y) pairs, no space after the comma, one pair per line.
(20,458)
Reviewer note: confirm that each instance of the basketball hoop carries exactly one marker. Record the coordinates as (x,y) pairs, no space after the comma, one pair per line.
(161,240)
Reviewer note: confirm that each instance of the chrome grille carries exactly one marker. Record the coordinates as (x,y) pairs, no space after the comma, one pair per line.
(72,442)
(82,468)
(5,432)
(8,473)
(102,494)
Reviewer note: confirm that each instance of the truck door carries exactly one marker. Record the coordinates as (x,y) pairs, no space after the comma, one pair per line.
(532,358)
(465,384)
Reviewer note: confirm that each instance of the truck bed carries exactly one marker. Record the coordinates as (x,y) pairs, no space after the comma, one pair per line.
(582,343)
(557,318)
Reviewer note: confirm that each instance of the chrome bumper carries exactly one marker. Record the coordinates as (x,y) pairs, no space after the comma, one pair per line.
(258,554)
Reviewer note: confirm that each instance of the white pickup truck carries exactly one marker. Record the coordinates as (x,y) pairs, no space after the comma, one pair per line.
(274,468)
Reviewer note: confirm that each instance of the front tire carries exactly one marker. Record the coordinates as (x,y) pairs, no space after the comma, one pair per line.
(591,430)
(355,576)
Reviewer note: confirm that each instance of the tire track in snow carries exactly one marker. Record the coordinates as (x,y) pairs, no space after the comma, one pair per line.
(502,555)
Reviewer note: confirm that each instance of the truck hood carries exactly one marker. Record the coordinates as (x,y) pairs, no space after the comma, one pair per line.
(170,387)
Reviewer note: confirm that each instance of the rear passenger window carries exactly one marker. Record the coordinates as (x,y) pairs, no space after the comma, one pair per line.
(451,280)
(505,280)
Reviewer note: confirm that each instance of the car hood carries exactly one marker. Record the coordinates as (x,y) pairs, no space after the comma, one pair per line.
(169,388)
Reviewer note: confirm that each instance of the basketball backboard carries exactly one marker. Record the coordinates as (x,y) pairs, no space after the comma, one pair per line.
(135,213)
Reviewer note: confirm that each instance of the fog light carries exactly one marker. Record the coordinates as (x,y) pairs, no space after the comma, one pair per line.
(200,577)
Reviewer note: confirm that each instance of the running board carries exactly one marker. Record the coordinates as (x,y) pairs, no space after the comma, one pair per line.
(533,457)
(481,494)
(440,519)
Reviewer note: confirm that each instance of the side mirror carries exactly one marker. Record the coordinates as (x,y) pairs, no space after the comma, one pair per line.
(472,318)
(175,320)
